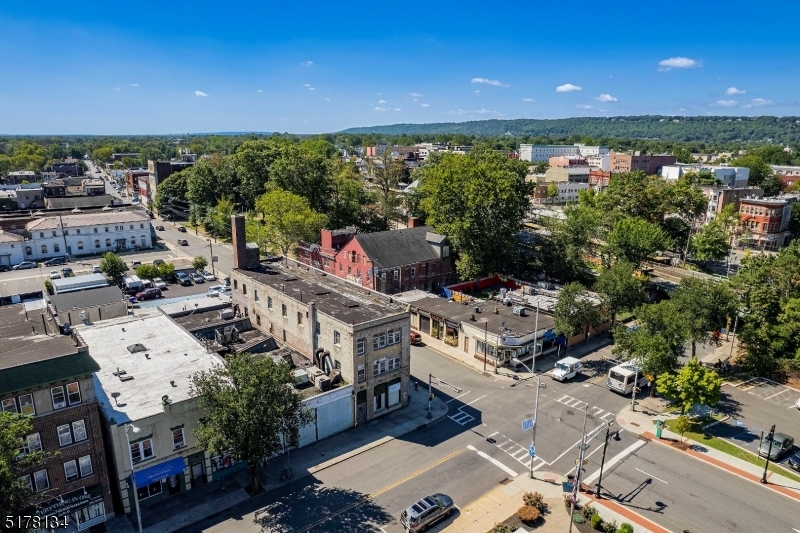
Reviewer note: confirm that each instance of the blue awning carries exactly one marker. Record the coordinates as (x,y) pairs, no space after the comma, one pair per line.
(159,471)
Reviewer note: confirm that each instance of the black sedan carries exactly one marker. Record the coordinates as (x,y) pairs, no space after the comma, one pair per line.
(794,461)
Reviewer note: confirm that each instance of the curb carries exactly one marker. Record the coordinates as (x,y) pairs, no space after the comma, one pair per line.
(639,520)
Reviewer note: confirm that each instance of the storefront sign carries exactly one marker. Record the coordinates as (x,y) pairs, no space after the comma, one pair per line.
(70,502)
(160,471)
(437,318)
(510,341)
(451,324)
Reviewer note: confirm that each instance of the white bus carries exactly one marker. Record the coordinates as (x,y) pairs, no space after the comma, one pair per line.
(621,378)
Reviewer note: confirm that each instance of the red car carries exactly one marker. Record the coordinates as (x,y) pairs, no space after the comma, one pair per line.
(416,338)
(148,294)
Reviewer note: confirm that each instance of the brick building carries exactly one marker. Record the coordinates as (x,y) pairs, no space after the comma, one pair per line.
(385,261)
(362,334)
(764,222)
(49,376)
(599,179)
(649,163)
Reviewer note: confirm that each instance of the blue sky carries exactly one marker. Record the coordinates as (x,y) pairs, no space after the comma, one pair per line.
(175,67)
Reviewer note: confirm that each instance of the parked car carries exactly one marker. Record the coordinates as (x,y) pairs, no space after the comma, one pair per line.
(197,278)
(158,262)
(159,283)
(136,264)
(215,289)
(182,278)
(5,268)
(159,228)
(67,272)
(24,265)
(781,443)
(55,274)
(794,461)
(208,276)
(183,242)
(426,511)
(797,404)
(56,261)
(415,338)
(96,270)
(181,229)
(148,294)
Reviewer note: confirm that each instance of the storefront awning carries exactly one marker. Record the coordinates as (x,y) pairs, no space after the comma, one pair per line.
(159,471)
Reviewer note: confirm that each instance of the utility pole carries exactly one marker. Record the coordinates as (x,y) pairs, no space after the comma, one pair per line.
(603,460)
(633,395)
(735,323)
(431,377)
(577,479)
(769,452)
(485,336)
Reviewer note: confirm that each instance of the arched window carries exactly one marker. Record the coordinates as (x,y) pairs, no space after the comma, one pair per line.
(56,248)
(44,249)
(108,243)
(133,240)
(80,245)
(96,243)
(28,250)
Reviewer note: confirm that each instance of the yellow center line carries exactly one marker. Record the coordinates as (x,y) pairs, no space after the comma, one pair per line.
(381,491)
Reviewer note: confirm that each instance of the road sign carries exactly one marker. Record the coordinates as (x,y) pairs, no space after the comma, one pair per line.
(527,424)
(215,259)
(532,451)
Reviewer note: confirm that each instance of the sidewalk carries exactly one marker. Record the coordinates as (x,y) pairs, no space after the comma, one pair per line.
(217,496)
(642,423)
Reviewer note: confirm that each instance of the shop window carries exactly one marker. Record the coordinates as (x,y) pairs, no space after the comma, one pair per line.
(148,491)
(337,338)
(142,451)
(177,438)
(222,461)
(91,514)
(361,346)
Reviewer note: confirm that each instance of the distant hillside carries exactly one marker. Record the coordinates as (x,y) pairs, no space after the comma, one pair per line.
(705,129)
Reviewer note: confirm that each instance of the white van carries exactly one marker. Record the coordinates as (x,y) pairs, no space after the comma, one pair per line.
(566,368)
(621,378)
(132,284)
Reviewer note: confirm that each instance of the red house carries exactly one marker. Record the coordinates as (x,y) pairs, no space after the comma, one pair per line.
(385,261)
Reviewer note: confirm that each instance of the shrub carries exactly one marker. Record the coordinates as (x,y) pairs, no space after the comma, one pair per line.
(568,502)
(625,528)
(596,522)
(48,285)
(578,518)
(588,512)
(527,513)
(610,527)
(502,528)
(535,499)
(199,262)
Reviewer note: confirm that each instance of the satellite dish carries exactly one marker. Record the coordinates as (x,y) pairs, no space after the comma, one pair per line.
(115,395)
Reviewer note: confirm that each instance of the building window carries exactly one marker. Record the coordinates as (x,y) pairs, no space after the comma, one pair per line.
(95,230)
(55,234)
(258,319)
(148,491)
(383,276)
(31,443)
(74,393)
(85,465)
(177,438)
(131,226)
(142,241)
(337,338)
(379,367)
(255,294)
(393,363)
(108,243)
(79,431)
(133,240)
(361,346)
(141,226)
(41,481)
(142,451)
(393,336)
(300,318)
(396,275)
(284,311)
(64,435)
(44,248)
(413,272)
(80,245)
(378,341)
(96,243)
(362,373)
(316,328)
(235,284)
(28,250)
(26,406)
(269,302)
(59,400)
(71,470)
(106,229)
(244,288)
(341,267)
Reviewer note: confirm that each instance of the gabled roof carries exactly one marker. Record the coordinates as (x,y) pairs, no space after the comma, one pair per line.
(388,249)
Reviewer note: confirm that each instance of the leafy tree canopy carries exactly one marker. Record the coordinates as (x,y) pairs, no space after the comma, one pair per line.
(287,218)
(693,385)
(112,266)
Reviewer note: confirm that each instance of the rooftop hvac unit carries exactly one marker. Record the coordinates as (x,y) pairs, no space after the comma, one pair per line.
(519,310)
(226,335)
(323,382)
(226,314)
(300,376)
(313,372)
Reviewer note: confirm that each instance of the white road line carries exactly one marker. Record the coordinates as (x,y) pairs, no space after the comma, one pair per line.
(537,467)
(493,434)
(514,455)
(494,461)
(599,410)
(476,399)
(777,394)
(652,476)
(614,460)
(457,397)
(605,415)
(793,406)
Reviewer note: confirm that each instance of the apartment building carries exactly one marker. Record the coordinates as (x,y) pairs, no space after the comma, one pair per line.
(764,222)
(719,197)
(787,175)
(48,375)
(566,192)
(567,174)
(543,152)
(728,176)
(649,163)
(364,333)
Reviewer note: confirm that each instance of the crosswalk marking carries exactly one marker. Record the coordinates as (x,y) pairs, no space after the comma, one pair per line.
(575,403)
(461,418)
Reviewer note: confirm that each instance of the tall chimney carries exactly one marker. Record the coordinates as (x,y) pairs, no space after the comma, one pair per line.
(239,242)
(414,222)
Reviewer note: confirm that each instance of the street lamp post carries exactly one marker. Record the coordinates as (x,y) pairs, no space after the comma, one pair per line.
(131,427)
(536,407)
(769,452)
(210,247)
(603,460)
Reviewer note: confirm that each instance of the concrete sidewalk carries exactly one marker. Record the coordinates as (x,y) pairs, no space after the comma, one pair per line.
(185,509)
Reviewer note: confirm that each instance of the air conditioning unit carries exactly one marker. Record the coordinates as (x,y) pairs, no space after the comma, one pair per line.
(313,371)
(300,376)
(519,310)
(323,382)
(226,314)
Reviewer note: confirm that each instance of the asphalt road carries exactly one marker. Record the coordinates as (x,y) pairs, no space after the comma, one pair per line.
(686,494)
(198,245)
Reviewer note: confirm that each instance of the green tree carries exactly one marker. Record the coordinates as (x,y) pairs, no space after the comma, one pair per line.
(478,201)
(682,425)
(288,218)
(620,289)
(540,167)
(388,201)
(112,266)
(693,385)
(250,412)
(794,220)
(305,170)
(683,155)
(199,263)
(14,495)
(166,270)
(634,240)
(147,271)
(252,161)
(209,179)
(574,310)
(552,191)
(219,218)
(102,154)
(171,189)
(760,171)
(711,243)
(706,306)
(348,199)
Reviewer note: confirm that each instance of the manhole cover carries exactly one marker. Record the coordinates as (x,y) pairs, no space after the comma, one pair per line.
(590,417)
(506,481)
(570,413)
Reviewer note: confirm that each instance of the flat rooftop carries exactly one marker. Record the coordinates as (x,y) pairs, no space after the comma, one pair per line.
(459,312)
(170,354)
(24,340)
(333,296)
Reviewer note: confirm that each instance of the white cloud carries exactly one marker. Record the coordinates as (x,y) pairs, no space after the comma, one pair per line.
(528,100)
(605,98)
(416,95)
(487,111)
(259,91)
(306,85)
(487,81)
(134,84)
(306,63)
(725,103)
(759,102)
(116,88)
(477,92)
(200,93)
(424,105)
(734,90)
(583,106)
(310,88)
(567,88)
(327,99)
(381,101)
(681,109)
(379,108)
(397,109)
(678,62)
(451,112)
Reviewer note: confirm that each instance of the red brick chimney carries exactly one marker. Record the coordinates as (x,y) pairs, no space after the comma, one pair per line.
(326,237)
(239,242)
(414,222)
